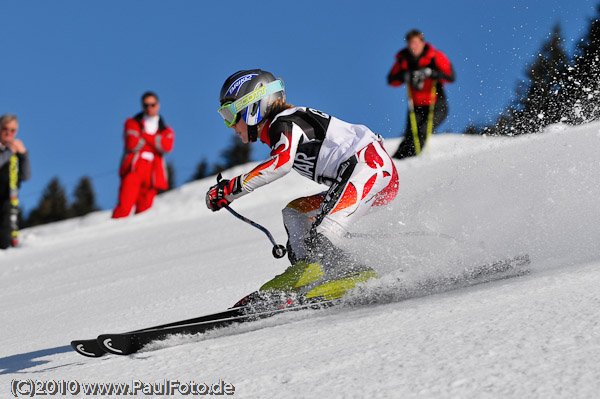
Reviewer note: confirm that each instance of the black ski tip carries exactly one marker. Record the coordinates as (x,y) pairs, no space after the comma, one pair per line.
(117,344)
(88,347)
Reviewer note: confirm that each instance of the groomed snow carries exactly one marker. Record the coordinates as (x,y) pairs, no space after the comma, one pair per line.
(466,202)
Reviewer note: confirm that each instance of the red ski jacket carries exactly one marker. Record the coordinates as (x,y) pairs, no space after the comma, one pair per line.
(406,63)
(137,141)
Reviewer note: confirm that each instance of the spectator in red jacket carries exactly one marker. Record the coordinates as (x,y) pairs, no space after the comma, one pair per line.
(143,171)
(420,66)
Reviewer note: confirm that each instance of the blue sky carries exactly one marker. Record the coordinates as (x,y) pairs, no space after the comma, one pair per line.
(73,70)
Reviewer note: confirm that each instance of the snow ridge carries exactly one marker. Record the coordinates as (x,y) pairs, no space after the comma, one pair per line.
(466,201)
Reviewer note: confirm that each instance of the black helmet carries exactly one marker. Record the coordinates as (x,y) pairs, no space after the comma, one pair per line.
(256,90)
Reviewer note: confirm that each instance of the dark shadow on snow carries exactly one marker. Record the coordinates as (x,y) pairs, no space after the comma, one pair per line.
(22,361)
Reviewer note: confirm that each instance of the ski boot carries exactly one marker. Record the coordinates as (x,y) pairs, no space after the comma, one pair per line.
(327,273)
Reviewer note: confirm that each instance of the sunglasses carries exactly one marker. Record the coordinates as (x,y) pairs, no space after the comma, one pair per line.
(148,105)
(230,111)
(5,129)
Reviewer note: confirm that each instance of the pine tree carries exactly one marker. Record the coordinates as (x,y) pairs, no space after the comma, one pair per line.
(52,206)
(539,99)
(85,199)
(538,105)
(584,77)
(171,176)
(472,130)
(201,170)
(237,154)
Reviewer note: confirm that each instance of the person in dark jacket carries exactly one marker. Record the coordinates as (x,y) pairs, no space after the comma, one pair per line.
(424,70)
(14,169)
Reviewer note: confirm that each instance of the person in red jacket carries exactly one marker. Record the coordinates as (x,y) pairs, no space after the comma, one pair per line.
(143,171)
(425,70)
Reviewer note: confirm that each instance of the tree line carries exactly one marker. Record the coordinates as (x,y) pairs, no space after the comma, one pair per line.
(558,88)
(54,204)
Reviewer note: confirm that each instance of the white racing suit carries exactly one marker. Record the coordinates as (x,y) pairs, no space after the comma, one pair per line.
(349,158)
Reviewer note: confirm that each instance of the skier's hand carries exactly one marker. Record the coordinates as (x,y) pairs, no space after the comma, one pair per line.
(431,73)
(406,77)
(418,79)
(17,146)
(216,196)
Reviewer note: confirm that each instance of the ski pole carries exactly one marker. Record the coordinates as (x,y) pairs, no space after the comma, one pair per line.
(413,120)
(13,187)
(279,250)
(430,114)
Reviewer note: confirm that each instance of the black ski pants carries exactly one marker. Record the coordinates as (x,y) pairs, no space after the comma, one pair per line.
(5,225)
(407,146)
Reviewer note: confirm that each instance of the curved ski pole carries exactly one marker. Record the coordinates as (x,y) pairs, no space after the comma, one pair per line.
(279,251)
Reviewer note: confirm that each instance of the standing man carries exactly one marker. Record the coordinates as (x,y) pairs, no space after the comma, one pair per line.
(424,70)
(14,168)
(143,171)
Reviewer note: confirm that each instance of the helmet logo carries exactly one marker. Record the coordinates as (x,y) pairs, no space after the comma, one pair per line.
(250,98)
(235,86)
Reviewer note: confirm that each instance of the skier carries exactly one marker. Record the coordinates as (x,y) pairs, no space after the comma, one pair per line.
(425,70)
(348,158)
(14,169)
(143,170)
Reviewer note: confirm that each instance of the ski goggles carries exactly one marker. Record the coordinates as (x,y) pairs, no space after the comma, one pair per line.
(230,111)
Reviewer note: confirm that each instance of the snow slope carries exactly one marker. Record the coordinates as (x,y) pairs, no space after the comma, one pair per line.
(467,201)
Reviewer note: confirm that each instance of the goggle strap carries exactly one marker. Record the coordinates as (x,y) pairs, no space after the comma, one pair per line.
(257,95)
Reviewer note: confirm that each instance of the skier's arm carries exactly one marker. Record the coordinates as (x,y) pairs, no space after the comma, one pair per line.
(284,138)
(281,162)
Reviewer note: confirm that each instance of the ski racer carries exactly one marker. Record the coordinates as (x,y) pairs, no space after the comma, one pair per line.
(348,158)
(424,69)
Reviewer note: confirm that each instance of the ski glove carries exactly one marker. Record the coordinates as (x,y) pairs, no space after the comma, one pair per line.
(418,77)
(216,196)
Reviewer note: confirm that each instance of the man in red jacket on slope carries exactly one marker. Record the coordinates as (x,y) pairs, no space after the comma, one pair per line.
(425,70)
(143,171)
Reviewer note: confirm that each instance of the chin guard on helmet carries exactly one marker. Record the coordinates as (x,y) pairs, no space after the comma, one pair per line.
(253,133)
